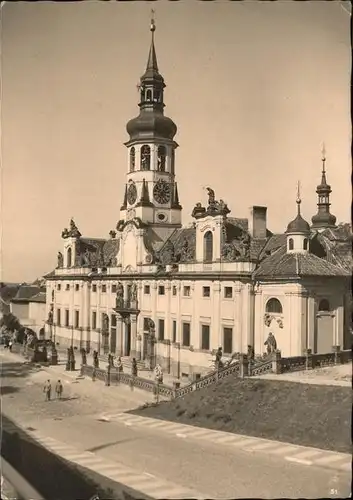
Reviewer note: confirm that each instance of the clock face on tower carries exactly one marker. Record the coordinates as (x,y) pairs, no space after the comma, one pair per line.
(131,193)
(161,192)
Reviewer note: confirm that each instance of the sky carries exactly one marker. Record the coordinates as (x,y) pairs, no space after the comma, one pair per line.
(255,88)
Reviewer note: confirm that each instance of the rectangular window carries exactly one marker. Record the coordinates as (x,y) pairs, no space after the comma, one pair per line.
(186,334)
(161,329)
(67,287)
(113,288)
(174,332)
(227,340)
(59,287)
(113,320)
(77,319)
(174,290)
(147,289)
(58,317)
(77,287)
(94,320)
(94,288)
(161,290)
(187,290)
(67,317)
(228,292)
(205,337)
(206,291)
(104,288)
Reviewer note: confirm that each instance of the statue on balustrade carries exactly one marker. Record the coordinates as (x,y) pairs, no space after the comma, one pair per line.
(119,300)
(271,343)
(83,356)
(110,360)
(95,359)
(251,352)
(218,361)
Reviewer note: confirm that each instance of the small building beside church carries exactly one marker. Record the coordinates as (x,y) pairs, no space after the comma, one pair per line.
(157,290)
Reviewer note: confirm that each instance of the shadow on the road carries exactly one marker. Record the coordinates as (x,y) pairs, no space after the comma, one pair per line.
(16,370)
(8,389)
(107,445)
(53,477)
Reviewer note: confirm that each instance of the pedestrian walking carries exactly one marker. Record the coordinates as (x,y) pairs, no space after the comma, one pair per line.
(119,369)
(47,390)
(10,345)
(59,389)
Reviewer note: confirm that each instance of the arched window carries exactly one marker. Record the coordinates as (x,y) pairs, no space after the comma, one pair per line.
(290,244)
(69,257)
(149,95)
(274,306)
(305,244)
(132,159)
(208,247)
(161,158)
(172,169)
(145,157)
(324,305)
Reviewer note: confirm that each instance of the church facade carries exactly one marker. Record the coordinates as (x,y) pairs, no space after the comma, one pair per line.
(161,292)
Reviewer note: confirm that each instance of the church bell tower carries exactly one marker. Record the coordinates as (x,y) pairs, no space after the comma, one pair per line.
(151,192)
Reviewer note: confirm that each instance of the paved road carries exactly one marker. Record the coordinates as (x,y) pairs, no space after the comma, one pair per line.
(214,470)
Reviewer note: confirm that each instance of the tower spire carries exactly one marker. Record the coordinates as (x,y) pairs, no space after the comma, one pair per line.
(152,58)
(323,218)
(298,200)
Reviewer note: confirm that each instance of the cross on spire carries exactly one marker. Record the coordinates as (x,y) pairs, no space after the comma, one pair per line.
(323,156)
(298,197)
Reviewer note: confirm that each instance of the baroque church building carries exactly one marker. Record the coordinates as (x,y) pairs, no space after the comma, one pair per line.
(161,292)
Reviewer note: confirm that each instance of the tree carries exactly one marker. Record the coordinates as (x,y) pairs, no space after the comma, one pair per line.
(11,322)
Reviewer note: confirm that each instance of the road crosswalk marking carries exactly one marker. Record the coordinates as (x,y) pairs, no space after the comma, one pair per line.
(297,453)
(142,482)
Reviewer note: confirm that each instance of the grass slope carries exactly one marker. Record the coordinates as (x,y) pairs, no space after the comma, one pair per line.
(308,415)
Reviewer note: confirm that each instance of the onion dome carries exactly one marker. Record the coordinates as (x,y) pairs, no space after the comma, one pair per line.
(298,225)
(151,122)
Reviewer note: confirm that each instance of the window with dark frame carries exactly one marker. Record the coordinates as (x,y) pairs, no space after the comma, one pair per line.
(228,292)
(94,320)
(161,329)
(58,317)
(227,340)
(186,334)
(174,332)
(77,287)
(174,290)
(59,287)
(147,289)
(67,287)
(67,317)
(113,321)
(94,288)
(104,288)
(146,324)
(206,291)
(113,288)
(205,337)
(187,291)
(77,319)
(161,290)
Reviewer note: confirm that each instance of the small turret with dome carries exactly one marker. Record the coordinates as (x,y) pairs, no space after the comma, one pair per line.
(298,231)
(323,219)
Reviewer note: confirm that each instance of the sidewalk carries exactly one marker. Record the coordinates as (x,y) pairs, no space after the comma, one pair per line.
(114,395)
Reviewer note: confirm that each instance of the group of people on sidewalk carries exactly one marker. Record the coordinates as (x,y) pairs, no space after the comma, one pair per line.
(58,390)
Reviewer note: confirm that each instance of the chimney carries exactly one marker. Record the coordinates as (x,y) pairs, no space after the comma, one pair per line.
(257,224)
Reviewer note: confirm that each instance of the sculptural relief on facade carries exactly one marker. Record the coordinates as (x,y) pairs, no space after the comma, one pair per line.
(269,317)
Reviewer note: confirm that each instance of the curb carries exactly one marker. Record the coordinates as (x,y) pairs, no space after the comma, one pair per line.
(303,455)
